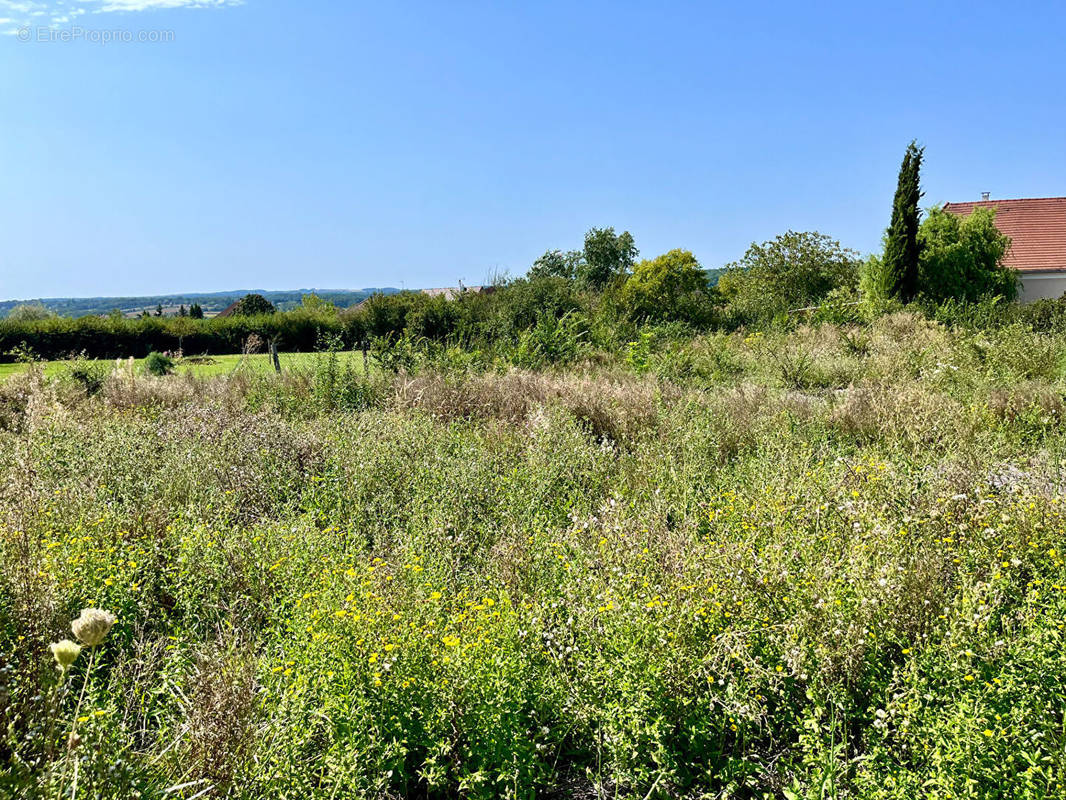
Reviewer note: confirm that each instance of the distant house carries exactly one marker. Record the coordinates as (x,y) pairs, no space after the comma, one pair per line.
(228,310)
(452,292)
(448,293)
(1037,228)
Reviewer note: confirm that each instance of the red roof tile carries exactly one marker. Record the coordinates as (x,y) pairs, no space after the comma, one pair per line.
(1037,228)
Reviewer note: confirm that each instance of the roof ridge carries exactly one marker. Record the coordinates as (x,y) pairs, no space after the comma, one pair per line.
(1000,200)
(1036,226)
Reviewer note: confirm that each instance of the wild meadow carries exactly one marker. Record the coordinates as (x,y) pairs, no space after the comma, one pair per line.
(823,561)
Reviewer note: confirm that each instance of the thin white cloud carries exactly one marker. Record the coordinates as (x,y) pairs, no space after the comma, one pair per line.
(104,6)
(54,13)
(19,7)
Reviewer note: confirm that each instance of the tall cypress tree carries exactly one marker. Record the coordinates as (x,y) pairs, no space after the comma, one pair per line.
(901,239)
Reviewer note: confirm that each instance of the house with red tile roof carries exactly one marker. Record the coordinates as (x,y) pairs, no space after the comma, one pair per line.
(1037,229)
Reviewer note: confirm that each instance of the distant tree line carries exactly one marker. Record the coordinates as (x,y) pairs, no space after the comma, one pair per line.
(599,292)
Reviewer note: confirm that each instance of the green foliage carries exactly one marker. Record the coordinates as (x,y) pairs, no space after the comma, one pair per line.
(314,304)
(519,305)
(158,364)
(29,312)
(1044,315)
(840,307)
(638,352)
(553,340)
(672,286)
(88,374)
(22,353)
(902,246)
(438,318)
(384,314)
(196,311)
(338,380)
(877,282)
(962,259)
(557,264)
(395,353)
(607,255)
(111,337)
(792,271)
(681,569)
(250,305)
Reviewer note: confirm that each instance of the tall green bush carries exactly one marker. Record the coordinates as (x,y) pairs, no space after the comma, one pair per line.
(672,286)
(793,270)
(962,258)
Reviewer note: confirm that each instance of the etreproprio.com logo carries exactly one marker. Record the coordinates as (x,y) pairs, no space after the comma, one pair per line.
(92,35)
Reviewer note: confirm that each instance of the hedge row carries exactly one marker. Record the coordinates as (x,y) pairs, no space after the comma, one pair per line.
(106,337)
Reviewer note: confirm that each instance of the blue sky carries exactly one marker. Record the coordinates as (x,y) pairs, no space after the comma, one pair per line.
(347,144)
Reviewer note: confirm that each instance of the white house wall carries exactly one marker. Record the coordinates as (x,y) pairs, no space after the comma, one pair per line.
(1041,285)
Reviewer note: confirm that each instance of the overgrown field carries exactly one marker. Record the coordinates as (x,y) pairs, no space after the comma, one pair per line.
(809,564)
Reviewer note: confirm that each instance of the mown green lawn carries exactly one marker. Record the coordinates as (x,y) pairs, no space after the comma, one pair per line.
(201,366)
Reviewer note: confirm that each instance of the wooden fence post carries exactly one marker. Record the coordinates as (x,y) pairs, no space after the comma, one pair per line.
(274,356)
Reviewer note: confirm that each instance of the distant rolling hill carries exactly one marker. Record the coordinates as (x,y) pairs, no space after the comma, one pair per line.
(210,302)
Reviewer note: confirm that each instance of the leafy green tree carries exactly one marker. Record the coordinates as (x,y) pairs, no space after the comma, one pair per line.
(606,256)
(792,271)
(159,309)
(672,286)
(557,264)
(902,247)
(30,312)
(317,305)
(382,315)
(962,258)
(251,305)
(195,311)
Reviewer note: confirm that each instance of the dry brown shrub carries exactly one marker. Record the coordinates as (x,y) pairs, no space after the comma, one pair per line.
(220,710)
(15,397)
(904,344)
(29,401)
(253,451)
(1010,404)
(907,327)
(909,412)
(737,416)
(615,408)
(253,344)
(125,389)
(802,406)
(618,411)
